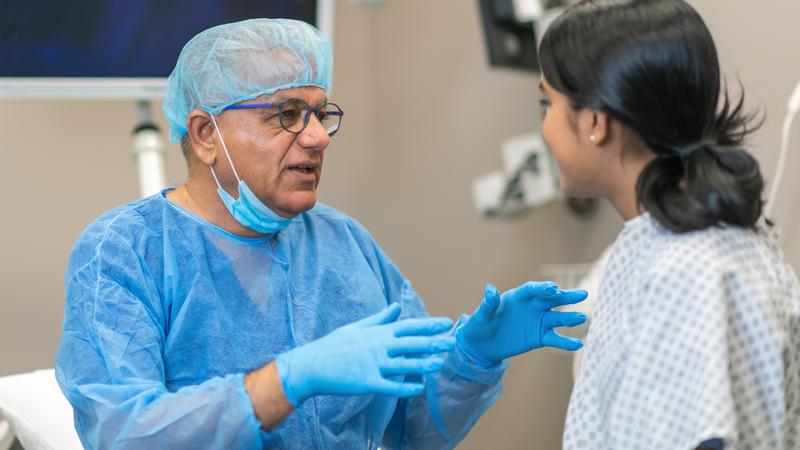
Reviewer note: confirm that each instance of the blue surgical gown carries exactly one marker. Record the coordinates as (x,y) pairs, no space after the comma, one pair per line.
(166,312)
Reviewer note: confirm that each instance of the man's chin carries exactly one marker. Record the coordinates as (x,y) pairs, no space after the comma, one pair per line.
(297,206)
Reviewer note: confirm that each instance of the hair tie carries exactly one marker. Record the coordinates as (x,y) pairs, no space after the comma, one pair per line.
(687,151)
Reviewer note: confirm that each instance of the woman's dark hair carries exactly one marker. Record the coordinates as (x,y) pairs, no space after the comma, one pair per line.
(652,65)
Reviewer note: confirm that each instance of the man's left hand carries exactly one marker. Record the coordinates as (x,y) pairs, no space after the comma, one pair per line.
(518,321)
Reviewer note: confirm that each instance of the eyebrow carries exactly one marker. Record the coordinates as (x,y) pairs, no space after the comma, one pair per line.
(541,86)
(281,97)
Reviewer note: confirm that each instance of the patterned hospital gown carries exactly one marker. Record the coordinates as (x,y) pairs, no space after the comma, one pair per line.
(694,337)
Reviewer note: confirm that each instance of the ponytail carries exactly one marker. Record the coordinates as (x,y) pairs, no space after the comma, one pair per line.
(702,185)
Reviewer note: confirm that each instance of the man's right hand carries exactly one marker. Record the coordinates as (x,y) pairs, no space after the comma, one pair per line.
(364,356)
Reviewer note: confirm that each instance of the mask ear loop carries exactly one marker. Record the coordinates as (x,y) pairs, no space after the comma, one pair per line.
(224,147)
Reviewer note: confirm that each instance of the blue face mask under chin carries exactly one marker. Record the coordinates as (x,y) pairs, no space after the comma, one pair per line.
(248,210)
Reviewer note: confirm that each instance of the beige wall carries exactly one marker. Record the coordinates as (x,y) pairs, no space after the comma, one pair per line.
(759,42)
(424,116)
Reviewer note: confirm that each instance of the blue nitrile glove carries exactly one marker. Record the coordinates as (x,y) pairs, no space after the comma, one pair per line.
(518,321)
(360,358)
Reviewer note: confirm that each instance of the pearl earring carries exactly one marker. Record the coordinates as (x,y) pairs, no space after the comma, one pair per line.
(593,137)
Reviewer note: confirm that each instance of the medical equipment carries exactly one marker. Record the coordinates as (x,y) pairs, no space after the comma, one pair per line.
(366,357)
(529,180)
(793,109)
(112,51)
(518,321)
(512,30)
(148,149)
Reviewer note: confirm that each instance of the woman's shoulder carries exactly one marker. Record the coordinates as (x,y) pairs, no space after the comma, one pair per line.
(717,243)
(711,253)
(723,258)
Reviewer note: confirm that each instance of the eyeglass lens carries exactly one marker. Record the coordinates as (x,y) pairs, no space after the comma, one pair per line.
(294,115)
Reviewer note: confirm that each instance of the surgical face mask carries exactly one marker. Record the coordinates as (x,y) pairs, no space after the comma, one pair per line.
(248,210)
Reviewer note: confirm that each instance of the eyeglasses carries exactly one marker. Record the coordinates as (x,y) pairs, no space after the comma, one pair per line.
(295,113)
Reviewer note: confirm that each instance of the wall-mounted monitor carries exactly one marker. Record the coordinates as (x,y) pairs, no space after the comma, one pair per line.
(511,36)
(115,49)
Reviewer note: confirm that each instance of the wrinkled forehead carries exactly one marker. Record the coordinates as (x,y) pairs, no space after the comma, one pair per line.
(313,95)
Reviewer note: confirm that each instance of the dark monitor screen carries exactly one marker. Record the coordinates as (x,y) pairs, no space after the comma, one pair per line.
(511,43)
(116,39)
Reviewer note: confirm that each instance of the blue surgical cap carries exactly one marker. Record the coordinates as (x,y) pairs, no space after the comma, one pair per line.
(239,61)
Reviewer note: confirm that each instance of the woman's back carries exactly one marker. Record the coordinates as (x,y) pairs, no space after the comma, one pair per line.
(695,336)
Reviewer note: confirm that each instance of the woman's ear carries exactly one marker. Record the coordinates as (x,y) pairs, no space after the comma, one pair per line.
(593,127)
(600,131)
(200,130)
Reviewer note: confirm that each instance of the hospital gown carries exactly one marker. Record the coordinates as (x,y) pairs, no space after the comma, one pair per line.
(694,336)
(165,313)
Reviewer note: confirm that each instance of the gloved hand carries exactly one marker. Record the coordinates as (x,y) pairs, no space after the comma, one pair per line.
(360,357)
(518,321)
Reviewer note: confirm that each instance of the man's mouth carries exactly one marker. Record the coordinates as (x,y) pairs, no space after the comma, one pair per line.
(303,169)
(306,170)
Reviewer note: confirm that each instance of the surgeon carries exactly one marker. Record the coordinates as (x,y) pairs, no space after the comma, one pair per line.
(234,311)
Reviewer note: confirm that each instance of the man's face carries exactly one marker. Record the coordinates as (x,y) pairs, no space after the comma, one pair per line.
(282,169)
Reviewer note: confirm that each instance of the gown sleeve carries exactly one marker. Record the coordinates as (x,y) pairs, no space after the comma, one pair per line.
(455,397)
(109,364)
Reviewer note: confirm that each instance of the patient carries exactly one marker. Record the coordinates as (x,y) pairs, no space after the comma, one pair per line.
(695,339)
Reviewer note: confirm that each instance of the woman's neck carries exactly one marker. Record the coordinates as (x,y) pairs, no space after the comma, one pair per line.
(623,193)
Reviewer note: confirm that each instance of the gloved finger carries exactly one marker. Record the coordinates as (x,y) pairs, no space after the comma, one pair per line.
(553,339)
(384,316)
(397,389)
(531,290)
(491,300)
(422,327)
(554,319)
(564,297)
(421,345)
(404,366)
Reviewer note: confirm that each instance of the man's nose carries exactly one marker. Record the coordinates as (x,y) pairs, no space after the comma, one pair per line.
(315,136)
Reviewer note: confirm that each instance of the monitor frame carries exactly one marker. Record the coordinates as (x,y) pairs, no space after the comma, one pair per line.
(49,88)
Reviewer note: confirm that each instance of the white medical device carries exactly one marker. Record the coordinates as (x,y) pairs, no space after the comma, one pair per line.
(793,108)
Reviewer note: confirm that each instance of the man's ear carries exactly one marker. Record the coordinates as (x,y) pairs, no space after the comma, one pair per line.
(200,130)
